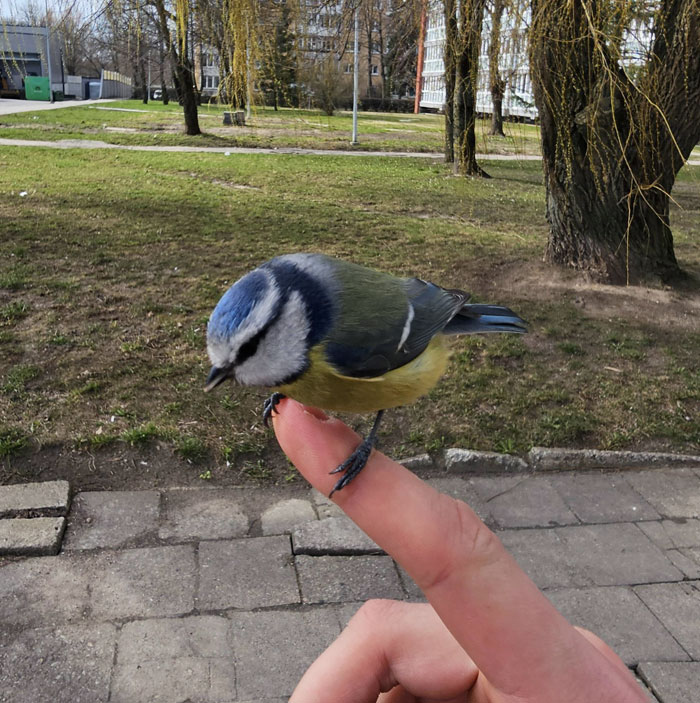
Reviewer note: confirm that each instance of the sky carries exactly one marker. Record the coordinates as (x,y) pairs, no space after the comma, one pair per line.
(16,8)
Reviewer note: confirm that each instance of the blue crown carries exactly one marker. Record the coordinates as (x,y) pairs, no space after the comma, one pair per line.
(236,303)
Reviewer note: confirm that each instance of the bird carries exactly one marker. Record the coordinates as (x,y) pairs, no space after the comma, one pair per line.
(341,337)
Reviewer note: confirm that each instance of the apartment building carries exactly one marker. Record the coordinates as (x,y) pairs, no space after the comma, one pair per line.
(518,98)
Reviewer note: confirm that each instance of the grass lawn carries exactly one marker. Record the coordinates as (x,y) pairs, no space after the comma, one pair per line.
(132,122)
(112,262)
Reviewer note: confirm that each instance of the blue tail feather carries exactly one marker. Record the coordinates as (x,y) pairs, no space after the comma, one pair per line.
(472,319)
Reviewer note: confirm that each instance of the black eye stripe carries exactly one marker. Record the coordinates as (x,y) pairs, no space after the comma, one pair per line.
(250,347)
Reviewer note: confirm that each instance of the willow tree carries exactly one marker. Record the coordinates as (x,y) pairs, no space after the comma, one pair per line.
(614,140)
(255,43)
(240,46)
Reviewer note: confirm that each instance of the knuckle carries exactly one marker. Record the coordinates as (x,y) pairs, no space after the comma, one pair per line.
(468,545)
(376,610)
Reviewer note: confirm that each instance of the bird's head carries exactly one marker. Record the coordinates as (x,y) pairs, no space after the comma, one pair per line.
(260,332)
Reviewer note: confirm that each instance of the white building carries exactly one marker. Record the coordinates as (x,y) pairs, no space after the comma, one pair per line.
(518,99)
(207,71)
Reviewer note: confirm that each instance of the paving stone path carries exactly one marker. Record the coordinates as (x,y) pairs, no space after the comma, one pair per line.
(226,595)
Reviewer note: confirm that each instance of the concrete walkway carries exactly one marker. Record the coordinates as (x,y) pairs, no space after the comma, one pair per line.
(11,107)
(228,150)
(227,595)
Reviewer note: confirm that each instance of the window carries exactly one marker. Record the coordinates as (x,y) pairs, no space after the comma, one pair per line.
(375,70)
(210,82)
(348,68)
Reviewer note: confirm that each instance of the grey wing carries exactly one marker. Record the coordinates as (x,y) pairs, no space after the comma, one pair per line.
(433,309)
(428,309)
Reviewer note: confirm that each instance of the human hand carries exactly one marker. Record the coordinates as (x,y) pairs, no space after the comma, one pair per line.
(488,634)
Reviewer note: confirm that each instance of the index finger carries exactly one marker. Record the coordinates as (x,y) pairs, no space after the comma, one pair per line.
(501,619)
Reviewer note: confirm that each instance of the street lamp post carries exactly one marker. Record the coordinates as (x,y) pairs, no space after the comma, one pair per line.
(48,56)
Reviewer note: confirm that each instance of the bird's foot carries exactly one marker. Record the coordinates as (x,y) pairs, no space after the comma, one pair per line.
(358,459)
(269,405)
(353,464)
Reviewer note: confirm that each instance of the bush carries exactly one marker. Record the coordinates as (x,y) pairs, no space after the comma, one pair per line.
(387,104)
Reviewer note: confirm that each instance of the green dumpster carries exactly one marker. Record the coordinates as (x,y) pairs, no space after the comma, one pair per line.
(37,88)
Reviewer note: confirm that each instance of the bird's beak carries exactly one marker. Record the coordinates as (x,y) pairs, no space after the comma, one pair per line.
(216,376)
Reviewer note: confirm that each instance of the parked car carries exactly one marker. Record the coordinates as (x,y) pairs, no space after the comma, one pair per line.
(157,94)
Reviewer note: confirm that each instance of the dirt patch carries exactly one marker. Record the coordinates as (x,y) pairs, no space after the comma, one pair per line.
(537,281)
(123,467)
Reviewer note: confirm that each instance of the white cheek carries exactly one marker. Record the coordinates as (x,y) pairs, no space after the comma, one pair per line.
(282,353)
(219,351)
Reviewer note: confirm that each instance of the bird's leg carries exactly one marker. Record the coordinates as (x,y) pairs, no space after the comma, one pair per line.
(269,405)
(357,460)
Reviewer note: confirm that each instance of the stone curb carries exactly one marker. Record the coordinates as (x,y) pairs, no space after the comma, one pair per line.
(544,459)
(457,461)
(28,500)
(39,536)
(33,518)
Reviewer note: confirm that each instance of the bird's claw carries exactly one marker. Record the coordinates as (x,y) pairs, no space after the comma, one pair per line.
(352,465)
(269,405)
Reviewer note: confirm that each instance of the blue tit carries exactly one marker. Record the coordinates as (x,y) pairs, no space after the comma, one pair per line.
(340,337)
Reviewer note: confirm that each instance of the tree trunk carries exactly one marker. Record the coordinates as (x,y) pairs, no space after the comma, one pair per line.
(368,31)
(176,81)
(467,63)
(382,52)
(183,74)
(596,235)
(497,90)
(496,82)
(612,149)
(144,80)
(161,71)
(449,60)
(189,97)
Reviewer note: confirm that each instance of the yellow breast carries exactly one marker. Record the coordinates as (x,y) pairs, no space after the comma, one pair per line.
(323,387)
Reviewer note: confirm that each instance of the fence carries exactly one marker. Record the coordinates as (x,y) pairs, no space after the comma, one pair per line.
(115,85)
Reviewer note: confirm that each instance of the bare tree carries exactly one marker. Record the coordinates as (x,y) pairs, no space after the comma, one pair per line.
(368,13)
(178,48)
(613,141)
(399,61)
(470,20)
